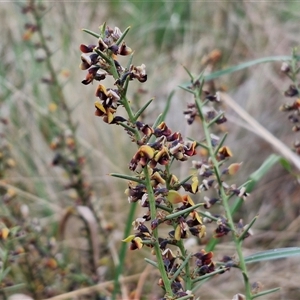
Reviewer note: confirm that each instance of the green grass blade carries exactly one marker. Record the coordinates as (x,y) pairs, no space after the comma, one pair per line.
(185,88)
(151,262)
(167,107)
(266,292)
(263,169)
(91,33)
(246,65)
(122,37)
(206,276)
(242,66)
(189,73)
(126,177)
(286,164)
(254,178)
(273,254)
(182,212)
(158,120)
(245,232)
(142,109)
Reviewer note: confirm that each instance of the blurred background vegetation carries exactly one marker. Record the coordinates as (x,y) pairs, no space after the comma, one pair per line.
(36,196)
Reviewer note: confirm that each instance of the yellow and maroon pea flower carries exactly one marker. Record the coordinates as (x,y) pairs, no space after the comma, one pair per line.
(88,60)
(144,154)
(190,148)
(138,72)
(198,231)
(187,201)
(162,156)
(188,188)
(124,50)
(135,191)
(109,97)
(204,262)
(181,231)
(107,113)
(209,202)
(93,75)
(223,153)
(137,223)
(191,113)
(222,119)
(162,130)
(87,48)
(136,243)
(116,33)
(176,150)
(114,49)
(292,91)
(196,226)
(157,179)
(240,192)
(101,92)
(182,150)
(175,136)
(221,230)
(144,128)
(154,224)
(205,170)
(103,44)
(206,184)
(169,258)
(108,105)
(197,219)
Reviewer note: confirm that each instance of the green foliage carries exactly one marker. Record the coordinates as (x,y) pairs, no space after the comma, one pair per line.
(62,218)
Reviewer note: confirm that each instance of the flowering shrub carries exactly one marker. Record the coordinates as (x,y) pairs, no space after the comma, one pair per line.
(58,239)
(166,198)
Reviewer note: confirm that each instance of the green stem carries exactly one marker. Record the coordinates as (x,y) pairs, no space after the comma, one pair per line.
(188,279)
(158,254)
(224,197)
(160,263)
(123,250)
(130,218)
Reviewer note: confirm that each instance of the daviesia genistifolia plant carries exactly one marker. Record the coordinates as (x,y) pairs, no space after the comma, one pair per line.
(180,204)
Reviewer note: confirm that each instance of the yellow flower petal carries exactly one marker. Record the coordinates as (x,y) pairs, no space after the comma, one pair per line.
(174,197)
(225,152)
(4,233)
(233,168)
(138,242)
(129,238)
(99,106)
(177,234)
(52,107)
(195,183)
(146,151)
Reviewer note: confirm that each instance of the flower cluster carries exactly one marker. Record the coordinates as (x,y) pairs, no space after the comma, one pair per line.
(100,61)
(291,70)
(165,198)
(167,146)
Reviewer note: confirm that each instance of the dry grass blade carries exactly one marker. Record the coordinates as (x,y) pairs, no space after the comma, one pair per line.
(96,288)
(89,218)
(262,131)
(31,197)
(141,282)
(43,112)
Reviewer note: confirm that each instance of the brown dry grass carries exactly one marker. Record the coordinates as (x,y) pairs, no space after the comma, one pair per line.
(242,31)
